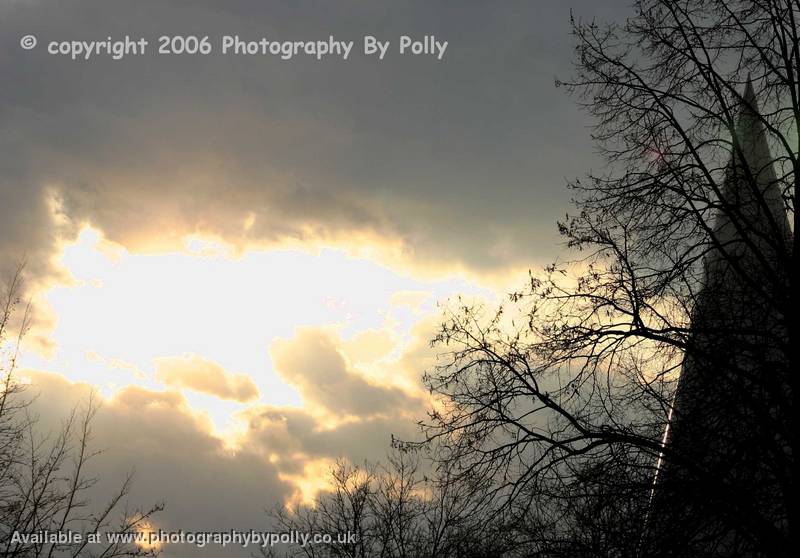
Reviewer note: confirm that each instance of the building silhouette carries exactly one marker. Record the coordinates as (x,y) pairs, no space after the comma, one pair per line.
(722,485)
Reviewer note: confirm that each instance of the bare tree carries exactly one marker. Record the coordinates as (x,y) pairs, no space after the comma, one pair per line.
(44,478)
(396,511)
(684,270)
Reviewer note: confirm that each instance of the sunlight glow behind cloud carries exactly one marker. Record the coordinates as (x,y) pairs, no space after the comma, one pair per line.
(121,314)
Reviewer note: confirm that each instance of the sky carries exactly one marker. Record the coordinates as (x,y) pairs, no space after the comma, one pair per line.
(247,256)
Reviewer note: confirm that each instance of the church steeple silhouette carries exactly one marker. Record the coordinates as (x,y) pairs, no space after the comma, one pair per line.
(751,222)
(717,483)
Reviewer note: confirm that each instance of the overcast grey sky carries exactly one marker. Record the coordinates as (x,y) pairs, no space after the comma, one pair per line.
(463,159)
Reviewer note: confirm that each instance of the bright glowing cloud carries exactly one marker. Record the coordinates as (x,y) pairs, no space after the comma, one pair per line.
(209,321)
(193,372)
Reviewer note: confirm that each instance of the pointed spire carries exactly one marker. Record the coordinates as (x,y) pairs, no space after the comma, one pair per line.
(749,95)
(753,190)
(707,425)
(749,134)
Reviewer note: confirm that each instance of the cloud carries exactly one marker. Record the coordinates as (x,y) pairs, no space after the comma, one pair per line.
(281,453)
(194,372)
(369,345)
(454,163)
(314,364)
(435,166)
(205,485)
(176,459)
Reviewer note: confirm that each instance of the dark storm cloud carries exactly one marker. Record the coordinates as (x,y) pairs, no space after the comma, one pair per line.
(463,160)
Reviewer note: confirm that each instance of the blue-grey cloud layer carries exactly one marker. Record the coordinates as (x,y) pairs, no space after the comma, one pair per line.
(462,160)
